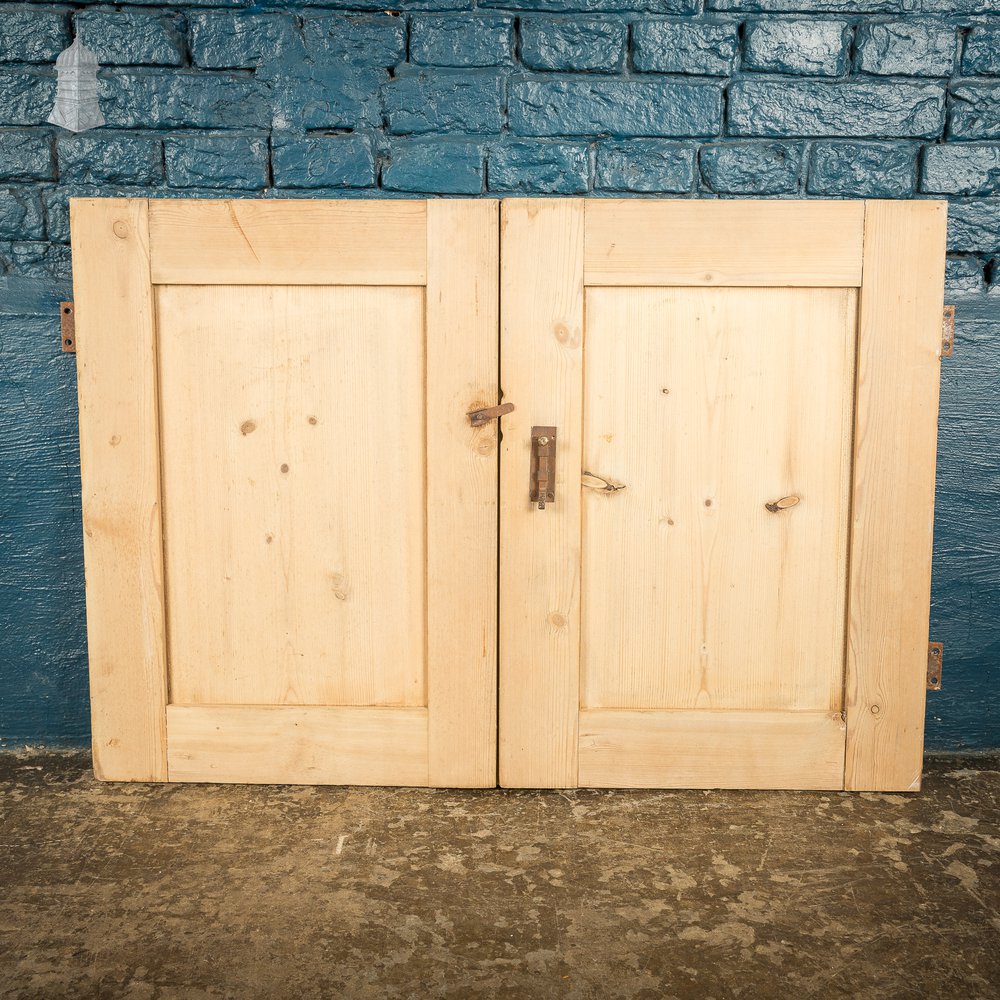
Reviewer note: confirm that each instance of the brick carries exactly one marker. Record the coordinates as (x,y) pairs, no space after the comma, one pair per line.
(323,161)
(481,40)
(597,46)
(906,48)
(434,6)
(446,100)
(994,272)
(103,156)
(702,47)
(751,167)
(974,225)
(854,7)
(961,168)
(431,165)
(599,6)
(877,108)
(800,46)
(963,275)
(21,214)
(234,40)
(32,36)
(26,96)
(523,166)
(975,111)
(216,161)
(982,51)
(26,155)
(332,95)
(628,107)
(359,40)
(132,38)
(645,165)
(176,99)
(35,259)
(863,169)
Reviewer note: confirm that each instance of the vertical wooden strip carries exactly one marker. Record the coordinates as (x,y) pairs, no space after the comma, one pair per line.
(541,262)
(893,498)
(120,469)
(462,371)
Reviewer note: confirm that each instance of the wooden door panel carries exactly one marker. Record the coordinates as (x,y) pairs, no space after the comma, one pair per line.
(290,522)
(708,404)
(667,628)
(292,434)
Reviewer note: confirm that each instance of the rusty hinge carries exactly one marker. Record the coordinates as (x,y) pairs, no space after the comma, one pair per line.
(935,659)
(67,327)
(479,417)
(542,481)
(948,332)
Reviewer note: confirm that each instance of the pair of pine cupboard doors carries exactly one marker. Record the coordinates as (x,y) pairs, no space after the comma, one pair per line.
(306,563)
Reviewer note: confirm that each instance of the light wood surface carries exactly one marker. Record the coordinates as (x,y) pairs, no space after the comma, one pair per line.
(709,404)
(462,461)
(700,242)
(119,459)
(253,241)
(895,442)
(293,745)
(727,749)
(293,491)
(542,374)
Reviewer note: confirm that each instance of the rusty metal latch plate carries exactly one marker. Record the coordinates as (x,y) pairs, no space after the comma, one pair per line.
(542,484)
(67,327)
(948,332)
(935,660)
(479,417)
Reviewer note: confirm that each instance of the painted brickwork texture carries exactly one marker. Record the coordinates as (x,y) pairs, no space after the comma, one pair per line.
(721,98)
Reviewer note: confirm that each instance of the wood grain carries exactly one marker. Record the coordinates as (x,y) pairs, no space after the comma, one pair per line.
(293,486)
(119,460)
(253,242)
(289,745)
(700,242)
(695,749)
(462,466)
(895,445)
(709,404)
(541,284)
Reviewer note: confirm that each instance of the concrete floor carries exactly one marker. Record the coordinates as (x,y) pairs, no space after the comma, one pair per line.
(223,891)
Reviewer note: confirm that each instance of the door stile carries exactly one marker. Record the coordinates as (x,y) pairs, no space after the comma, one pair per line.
(120,473)
(462,372)
(895,449)
(541,288)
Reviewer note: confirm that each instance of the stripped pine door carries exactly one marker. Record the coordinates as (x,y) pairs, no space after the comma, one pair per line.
(290,523)
(731,585)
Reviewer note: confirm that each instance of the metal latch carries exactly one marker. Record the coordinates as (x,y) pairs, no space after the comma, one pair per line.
(592,481)
(67,327)
(542,484)
(948,332)
(479,417)
(935,659)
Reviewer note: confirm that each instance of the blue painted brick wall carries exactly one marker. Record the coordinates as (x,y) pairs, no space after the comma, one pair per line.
(684,98)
